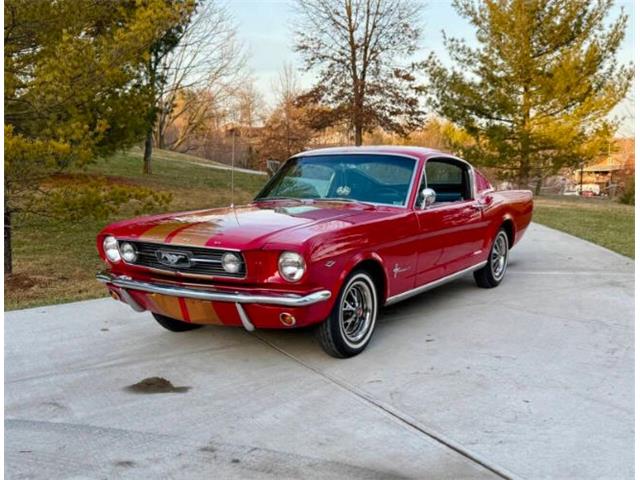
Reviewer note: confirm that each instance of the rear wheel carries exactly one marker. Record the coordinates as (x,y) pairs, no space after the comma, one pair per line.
(174,325)
(493,272)
(348,329)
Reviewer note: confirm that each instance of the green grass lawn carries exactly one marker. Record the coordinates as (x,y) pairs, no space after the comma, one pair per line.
(604,222)
(56,262)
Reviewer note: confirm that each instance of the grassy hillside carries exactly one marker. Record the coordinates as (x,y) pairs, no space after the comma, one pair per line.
(56,262)
(604,222)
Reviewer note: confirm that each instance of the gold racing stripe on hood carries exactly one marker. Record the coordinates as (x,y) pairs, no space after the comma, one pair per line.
(180,233)
(158,233)
(196,235)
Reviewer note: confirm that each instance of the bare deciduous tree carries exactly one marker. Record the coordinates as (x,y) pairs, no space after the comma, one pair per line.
(248,104)
(202,73)
(285,130)
(359,46)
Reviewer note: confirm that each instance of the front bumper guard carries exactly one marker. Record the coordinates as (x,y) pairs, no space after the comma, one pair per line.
(286,300)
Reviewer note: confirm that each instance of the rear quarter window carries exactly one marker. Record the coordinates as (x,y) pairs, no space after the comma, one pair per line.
(482,183)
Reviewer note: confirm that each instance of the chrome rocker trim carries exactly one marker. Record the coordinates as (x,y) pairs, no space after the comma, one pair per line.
(434,284)
(285,300)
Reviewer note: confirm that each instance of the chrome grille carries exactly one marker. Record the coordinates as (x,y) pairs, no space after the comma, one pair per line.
(202,261)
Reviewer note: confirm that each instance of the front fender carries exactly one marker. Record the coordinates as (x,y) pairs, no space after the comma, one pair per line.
(354,261)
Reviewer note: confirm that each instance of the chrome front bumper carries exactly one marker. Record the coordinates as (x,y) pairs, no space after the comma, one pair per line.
(286,300)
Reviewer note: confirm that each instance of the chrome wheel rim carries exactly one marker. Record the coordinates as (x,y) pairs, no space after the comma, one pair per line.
(499,254)
(357,312)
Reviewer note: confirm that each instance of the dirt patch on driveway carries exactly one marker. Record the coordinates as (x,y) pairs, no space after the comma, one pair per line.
(155,385)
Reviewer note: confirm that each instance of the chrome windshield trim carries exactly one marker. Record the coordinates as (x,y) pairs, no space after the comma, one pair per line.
(319,153)
(286,300)
(302,155)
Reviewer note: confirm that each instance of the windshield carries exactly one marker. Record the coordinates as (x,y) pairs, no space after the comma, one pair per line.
(384,179)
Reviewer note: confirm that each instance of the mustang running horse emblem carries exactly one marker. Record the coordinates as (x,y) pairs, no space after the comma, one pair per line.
(173,259)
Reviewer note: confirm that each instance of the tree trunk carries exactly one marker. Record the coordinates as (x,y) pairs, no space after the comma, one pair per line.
(538,185)
(8,260)
(358,108)
(152,113)
(161,144)
(525,169)
(161,131)
(524,173)
(148,147)
(358,134)
(523,176)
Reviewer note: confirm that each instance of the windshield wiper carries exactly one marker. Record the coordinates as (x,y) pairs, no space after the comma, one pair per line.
(344,199)
(266,199)
(338,199)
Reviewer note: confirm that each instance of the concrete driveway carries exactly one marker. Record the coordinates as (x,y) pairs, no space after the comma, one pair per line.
(533,379)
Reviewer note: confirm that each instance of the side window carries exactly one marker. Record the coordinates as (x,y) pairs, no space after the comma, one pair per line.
(482,184)
(450,180)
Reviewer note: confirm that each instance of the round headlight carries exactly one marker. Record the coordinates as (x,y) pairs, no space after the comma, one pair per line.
(291,266)
(231,262)
(110,245)
(128,252)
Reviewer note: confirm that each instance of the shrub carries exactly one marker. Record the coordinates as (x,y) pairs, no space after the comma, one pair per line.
(628,196)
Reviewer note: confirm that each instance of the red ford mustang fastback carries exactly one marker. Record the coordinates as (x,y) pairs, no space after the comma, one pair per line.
(333,236)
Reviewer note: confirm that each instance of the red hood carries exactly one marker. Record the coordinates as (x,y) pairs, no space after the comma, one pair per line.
(247,227)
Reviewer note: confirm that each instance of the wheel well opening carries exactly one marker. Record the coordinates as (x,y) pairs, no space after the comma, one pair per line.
(508,227)
(376,271)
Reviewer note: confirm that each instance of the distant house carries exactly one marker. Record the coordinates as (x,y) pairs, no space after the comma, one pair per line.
(608,172)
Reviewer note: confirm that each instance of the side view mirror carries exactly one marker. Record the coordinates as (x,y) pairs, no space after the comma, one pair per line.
(427,197)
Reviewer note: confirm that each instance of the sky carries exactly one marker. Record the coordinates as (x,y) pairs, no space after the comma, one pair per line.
(264,27)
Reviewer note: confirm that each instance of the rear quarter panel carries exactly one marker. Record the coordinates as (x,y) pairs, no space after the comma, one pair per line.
(515,206)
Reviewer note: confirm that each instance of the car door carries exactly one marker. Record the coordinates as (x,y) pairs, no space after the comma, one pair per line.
(450,234)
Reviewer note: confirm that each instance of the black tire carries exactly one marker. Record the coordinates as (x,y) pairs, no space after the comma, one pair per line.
(174,325)
(335,334)
(492,274)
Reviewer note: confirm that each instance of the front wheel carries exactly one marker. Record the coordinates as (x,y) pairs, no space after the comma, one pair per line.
(174,325)
(493,272)
(348,329)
